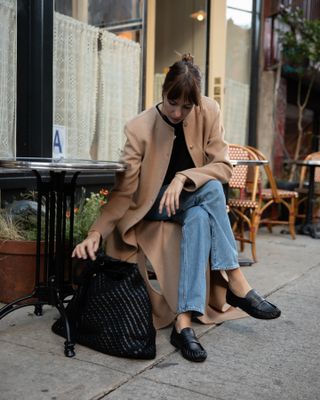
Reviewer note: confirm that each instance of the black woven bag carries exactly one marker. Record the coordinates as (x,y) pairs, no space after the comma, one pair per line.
(111,311)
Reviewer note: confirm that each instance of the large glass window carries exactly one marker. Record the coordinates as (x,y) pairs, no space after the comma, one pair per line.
(96,75)
(181,27)
(238,71)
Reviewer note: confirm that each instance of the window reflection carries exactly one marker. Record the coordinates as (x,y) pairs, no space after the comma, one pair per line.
(122,17)
(238,63)
(180,28)
(240,5)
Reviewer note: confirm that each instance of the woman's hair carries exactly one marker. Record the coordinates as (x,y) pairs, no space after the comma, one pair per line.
(183,80)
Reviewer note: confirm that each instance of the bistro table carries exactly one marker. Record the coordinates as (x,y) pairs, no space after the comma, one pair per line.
(56,190)
(308,227)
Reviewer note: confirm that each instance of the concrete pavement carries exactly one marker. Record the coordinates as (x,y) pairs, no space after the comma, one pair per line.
(247,358)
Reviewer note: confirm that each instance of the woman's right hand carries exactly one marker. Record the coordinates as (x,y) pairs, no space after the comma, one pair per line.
(88,246)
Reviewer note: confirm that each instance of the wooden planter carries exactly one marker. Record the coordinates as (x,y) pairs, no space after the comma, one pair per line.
(17,269)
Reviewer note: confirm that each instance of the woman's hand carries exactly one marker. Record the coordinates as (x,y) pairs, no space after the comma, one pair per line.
(170,198)
(88,246)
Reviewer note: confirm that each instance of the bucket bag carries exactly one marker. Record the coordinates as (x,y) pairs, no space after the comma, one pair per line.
(111,310)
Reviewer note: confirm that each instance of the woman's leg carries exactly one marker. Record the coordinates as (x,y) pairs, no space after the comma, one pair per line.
(206,233)
(194,256)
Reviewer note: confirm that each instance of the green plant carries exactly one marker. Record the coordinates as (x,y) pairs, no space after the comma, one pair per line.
(300,51)
(86,213)
(18,220)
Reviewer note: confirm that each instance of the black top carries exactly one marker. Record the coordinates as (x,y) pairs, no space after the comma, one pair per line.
(180,158)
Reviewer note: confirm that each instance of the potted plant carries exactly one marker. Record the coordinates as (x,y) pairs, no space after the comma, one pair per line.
(17,250)
(18,232)
(85,213)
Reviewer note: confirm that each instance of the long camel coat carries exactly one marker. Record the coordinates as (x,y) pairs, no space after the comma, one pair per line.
(129,237)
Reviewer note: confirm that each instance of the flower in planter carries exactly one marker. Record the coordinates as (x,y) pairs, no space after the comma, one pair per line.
(86,213)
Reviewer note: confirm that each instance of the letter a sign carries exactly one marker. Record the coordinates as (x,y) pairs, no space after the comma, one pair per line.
(59,141)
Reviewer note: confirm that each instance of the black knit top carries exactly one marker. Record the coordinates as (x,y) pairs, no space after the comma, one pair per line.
(180,159)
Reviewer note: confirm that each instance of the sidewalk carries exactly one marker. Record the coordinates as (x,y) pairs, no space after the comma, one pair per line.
(247,358)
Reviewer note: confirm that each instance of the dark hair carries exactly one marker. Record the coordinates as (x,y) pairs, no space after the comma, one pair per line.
(183,80)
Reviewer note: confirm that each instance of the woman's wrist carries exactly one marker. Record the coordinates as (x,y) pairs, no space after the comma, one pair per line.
(181,178)
(94,232)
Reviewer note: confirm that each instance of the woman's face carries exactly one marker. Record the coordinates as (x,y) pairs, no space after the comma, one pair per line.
(176,110)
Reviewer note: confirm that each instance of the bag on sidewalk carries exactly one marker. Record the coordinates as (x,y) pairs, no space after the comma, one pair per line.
(111,311)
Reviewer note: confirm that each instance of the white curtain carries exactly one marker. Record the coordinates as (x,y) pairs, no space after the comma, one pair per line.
(118,101)
(75,78)
(158,82)
(8,63)
(236,111)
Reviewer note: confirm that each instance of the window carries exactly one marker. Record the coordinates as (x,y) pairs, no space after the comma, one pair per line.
(181,27)
(96,74)
(238,70)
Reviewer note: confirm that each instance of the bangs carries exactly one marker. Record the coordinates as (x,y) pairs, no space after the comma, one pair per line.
(185,89)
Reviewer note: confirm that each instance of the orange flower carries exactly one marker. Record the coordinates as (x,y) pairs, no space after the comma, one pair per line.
(76,210)
(102,202)
(104,192)
(68,214)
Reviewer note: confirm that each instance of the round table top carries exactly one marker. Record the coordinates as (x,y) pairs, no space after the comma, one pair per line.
(314,163)
(63,164)
(248,162)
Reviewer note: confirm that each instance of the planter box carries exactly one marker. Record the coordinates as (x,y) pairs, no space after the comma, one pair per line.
(17,269)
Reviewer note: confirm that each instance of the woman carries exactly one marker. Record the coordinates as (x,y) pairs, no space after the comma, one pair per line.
(177,160)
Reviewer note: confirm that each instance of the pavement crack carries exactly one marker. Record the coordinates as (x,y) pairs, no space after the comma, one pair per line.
(292,280)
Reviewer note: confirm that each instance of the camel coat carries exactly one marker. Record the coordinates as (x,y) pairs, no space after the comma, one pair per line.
(129,237)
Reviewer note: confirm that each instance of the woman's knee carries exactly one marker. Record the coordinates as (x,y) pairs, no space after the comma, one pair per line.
(196,216)
(214,188)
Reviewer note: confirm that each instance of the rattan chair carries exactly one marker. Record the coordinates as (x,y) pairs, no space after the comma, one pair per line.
(302,189)
(242,200)
(270,199)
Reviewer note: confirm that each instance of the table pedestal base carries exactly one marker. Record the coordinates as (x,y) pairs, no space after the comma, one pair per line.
(311,230)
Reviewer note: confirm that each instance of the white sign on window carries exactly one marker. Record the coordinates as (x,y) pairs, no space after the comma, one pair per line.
(59,141)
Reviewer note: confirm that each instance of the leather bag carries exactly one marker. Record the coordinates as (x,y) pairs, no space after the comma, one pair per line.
(111,311)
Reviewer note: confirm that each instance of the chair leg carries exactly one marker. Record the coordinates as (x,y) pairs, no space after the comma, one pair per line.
(253,243)
(292,218)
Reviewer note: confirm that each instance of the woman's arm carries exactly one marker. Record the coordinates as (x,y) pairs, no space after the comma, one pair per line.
(215,152)
(119,199)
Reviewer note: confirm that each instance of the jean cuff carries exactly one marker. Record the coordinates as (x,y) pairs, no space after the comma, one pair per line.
(196,311)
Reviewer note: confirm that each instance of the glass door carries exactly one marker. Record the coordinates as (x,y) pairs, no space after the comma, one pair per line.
(180,27)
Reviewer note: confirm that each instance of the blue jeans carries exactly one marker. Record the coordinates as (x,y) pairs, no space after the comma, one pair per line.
(206,235)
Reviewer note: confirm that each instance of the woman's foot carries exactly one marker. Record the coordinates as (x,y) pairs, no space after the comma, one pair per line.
(254,305)
(187,342)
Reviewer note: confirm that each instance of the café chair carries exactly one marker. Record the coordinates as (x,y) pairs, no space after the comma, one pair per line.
(271,198)
(303,181)
(242,201)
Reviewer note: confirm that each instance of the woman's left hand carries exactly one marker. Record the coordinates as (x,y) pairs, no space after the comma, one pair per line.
(170,198)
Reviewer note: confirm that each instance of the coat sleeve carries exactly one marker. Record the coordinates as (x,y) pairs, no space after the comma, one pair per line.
(216,158)
(125,186)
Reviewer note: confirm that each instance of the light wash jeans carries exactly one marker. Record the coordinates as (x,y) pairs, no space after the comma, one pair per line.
(206,235)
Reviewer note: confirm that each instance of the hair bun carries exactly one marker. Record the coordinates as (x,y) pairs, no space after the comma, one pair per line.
(187,57)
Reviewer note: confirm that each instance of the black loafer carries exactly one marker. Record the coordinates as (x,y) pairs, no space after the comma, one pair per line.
(254,305)
(187,342)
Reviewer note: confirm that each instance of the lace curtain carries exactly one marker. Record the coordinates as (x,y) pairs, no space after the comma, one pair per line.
(75,77)
(236,111)
(118,101)
(7,77)
(96,91)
